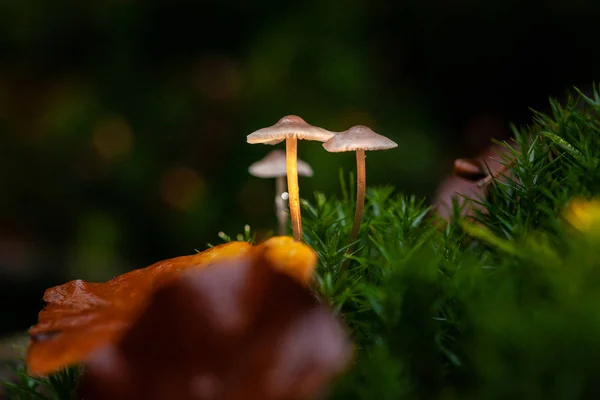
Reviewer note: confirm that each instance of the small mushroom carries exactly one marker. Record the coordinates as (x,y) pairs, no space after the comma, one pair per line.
(291,128)
(273,165)
(360,139)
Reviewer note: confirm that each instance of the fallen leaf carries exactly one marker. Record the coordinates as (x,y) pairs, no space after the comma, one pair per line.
(81,316)
(462,190)
(240,329)
(471,179)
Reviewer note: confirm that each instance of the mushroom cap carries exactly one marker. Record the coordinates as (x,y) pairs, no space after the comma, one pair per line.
(290,126)
(358,137)
(273,165)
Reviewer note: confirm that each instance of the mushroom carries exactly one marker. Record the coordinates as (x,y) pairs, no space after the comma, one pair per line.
(273,165)
(359,138)
(291,128)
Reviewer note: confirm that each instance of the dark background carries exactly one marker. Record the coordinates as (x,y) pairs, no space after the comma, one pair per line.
(123,123)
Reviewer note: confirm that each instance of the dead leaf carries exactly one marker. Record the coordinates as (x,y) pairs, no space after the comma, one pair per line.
(81,316)
(471,179)
(240,329)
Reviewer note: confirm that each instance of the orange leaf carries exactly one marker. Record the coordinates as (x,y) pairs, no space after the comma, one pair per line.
(81,316)
(241,329)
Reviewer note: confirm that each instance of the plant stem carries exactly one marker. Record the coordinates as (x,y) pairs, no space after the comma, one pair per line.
(361,184)
(291,154)
(494,174)
(279,204)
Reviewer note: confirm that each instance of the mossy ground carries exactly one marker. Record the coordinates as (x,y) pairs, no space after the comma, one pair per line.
(503,305)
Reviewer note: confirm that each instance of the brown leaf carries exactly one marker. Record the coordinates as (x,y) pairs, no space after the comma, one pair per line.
(81,316)
(471,180)
(241,329)
(461,189)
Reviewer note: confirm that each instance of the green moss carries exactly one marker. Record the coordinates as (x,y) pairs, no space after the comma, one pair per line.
(60,386)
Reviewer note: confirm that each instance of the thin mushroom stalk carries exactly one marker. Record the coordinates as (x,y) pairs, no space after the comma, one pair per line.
(291,128)
(274,165)
(291,154)
(280,205)
(361,185)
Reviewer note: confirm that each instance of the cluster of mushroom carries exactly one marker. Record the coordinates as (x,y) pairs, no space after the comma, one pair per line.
(277,164)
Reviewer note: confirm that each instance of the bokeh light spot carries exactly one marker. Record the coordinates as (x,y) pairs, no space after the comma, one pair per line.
(217,78)
(181,187)
(112,137)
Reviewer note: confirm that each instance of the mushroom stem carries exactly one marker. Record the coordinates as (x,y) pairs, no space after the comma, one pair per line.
(361,183)
(291,154)
(279,204)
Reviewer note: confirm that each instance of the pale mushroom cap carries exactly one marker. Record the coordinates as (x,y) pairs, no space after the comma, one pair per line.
(358,137)
(273,165)
(290,126)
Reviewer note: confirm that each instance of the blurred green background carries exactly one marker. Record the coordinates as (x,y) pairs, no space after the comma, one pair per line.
(123,122)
